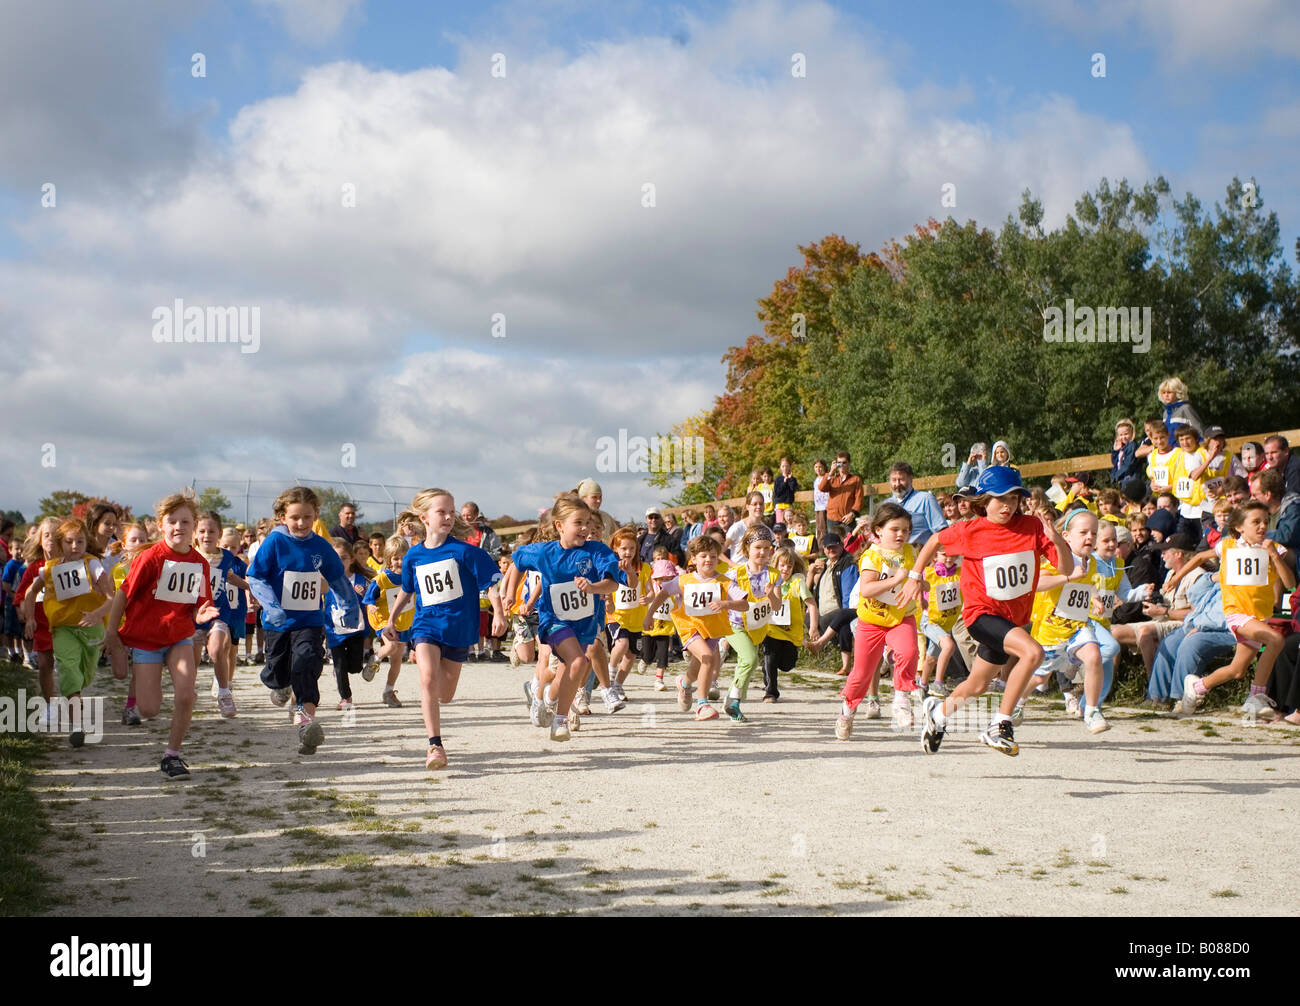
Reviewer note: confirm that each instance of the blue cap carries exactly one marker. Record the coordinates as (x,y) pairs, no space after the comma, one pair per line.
(998,480)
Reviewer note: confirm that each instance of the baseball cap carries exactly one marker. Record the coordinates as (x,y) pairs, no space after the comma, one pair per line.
(780,528)
(998,480)
(1214,431)
(651,512)
(1182,542)
(832,541)
(589,487)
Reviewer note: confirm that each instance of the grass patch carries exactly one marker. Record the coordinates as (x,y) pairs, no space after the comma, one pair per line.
(1226,893)
(25,886)
(982,850)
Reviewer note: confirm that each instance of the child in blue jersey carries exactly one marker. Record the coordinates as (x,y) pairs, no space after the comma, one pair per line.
(225,575)
(13,627)
(444,576)
(347,643)
(573,569)
(288,577)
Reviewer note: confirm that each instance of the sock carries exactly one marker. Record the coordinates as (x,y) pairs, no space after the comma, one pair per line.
(1089,710)
(733,693)
(999,717)
(222,692)
(701,702)
(387,689)
(1199,687)
(171,753)
(549,700)
(1257,689)
(902,699)
(845,710)
(939,718)
(130,702)
(435,742)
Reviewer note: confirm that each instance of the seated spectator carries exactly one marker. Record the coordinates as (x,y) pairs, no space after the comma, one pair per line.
(1249,460)
(1278,454)
(1143,564)
(1201,643)
(1161,523)
(1124,464)
(830,578)
(1162,614)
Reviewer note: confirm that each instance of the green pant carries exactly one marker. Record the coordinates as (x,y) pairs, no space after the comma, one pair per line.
(76,655)
(746,660)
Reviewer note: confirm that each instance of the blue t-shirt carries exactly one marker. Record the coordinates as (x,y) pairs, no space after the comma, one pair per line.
(336,615)
(561,603)
(222,591)
(445,583)
(298,571)
(13,572)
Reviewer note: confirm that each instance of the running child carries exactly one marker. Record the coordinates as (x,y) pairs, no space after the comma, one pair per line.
(133,543)
(785,633)
(78,593)
(225,569)
(943,608)
(444,577)
(346,643)
(885,619)
(289,576)
(1251,576)
(166,591)
(574,569)
(1001,550)
(656,636)
(753,593)
(627,614)
(38,550)
(381,595)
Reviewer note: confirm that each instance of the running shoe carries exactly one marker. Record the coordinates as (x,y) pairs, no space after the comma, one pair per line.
(281,695)
(684,699)
(391,700)
(436,758)
(559,729)
(226,706)
(1018,714)
(1259,707)
(659,683)
(931,732)
(1095,722)
(733,710)
(871,709)
(613,703)
(344,705)
(902,717)
(550,712)
(260,658)
(498,657)
(997,685)
(843,727)
(714,693)
(514,657)
(215,690)
(582,701)
(174,767)
(575,720)
(1191,700)
(310,736)
(131,717)
(1072,705)
(1001,736)
(528,693)
(370,670)
(938,689)
(707,712)
(77,738)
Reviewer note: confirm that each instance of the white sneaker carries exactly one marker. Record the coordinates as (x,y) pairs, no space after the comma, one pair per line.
(613,702)
(368,672)
(902,719)
(216,688)
(581,702)
(514,657)
(559,729)
(1072,705)
(1018,714)
(1042,689)
(659,683)
(871,709)
(549,709)
(575,720)
(640,666)
(1095,722)
(226,705)
(1259,707)
(997,685)
(1191,701)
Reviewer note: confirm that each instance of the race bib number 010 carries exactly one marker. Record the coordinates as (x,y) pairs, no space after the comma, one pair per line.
(179,582)
(301,591)
(438,583)
(1007,577)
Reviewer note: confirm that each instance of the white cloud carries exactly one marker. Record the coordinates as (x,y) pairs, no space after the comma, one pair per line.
(477,195)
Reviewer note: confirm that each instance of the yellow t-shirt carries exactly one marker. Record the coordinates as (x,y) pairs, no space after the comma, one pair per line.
(624,607)
(374,564)
(388,589)
(1189,491)
(1246,577)
(877,564)
(1065,609)
(787,620)
(1160,467)
(1106,587)
(802,543)
(945,598)
(692,616)
(69,591)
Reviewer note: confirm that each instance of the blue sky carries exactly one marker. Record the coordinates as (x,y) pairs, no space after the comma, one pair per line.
(522,196)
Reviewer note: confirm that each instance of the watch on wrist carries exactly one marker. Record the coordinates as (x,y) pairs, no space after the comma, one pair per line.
(914,575)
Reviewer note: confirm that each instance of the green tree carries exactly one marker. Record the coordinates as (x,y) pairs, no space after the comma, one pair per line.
(60,503)
(211,498)
(15,516)
(331,501)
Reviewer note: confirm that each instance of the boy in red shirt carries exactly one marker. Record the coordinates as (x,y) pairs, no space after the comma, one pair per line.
(1002,549)
(164,595)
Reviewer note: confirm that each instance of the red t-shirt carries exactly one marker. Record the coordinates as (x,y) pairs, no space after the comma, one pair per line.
(163,589)
(29,574)
(1000,571)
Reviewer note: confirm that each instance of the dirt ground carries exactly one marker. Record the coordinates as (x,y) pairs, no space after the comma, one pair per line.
(648,812)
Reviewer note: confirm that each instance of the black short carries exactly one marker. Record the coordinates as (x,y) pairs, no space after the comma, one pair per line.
(990,631)
(617,632)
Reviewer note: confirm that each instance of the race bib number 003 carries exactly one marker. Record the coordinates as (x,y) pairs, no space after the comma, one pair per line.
(301,591)
(70,580)
(1007,577)
(569,604)
(179,582)
(438,583)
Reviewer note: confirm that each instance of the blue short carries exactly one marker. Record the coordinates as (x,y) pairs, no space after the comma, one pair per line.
(139,656)
(456,654)
(556,633)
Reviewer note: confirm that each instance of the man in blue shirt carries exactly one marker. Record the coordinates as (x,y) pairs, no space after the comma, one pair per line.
(927,515)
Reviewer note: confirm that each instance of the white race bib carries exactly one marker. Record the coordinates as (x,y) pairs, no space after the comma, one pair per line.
(698,596)
(1183,487)
(438,583)
(390,598)
(569,604)
(216,582)
(1107,599)
(301,591)
(663,613)
(758,614)
(232,596)
(1246,567)
(70,580)
(821,500)
(337,616)
(626,598)
(949,596)
(1160,476)
(179,582)
(781,616)
(1075,602)
(1007,577)
(890,596)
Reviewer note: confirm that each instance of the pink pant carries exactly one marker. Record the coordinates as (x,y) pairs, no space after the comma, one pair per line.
(869,642)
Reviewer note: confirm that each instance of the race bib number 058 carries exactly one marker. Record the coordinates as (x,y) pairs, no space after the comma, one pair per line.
(569,604)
